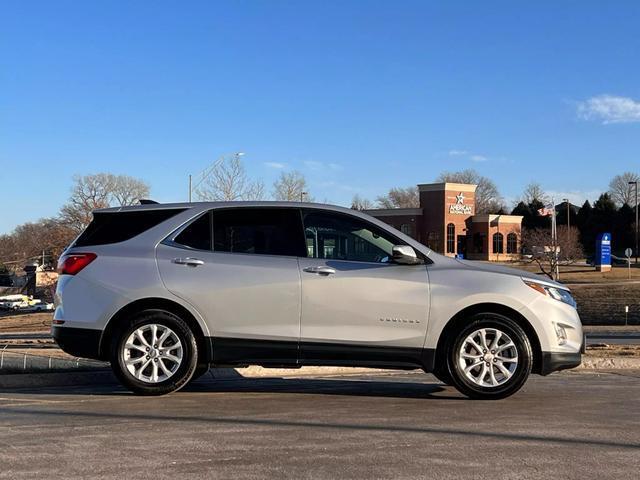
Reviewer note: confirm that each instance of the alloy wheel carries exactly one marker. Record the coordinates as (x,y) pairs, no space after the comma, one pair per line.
(152,353)
(488,357)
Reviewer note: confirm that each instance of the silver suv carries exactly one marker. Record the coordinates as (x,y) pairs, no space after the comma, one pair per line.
(167,291)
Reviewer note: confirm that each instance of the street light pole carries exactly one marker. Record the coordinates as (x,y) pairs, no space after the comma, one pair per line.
(636,189)
(566,200)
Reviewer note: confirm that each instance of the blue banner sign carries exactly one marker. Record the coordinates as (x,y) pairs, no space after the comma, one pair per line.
(603,249)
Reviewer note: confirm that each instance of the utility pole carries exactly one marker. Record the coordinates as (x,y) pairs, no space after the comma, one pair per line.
(636,190)
(302,194)
(190,189)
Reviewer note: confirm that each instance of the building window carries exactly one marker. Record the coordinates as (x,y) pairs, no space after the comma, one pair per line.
(477,242)
(497,243)
(451,238)
(512,243)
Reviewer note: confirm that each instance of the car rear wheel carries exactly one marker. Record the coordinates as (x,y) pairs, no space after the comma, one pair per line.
(491,358)
(154,354)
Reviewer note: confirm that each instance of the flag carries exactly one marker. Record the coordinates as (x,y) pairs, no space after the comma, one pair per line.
(545,212)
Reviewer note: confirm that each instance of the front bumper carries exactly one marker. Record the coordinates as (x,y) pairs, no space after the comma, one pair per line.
(79,342)
(555,361)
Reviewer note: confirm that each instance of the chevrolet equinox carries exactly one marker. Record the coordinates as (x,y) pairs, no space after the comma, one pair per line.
(164,292)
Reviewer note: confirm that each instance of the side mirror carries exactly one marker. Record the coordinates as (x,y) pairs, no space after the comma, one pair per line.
(405,255)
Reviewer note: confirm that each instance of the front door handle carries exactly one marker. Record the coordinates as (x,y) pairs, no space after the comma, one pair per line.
(192,262)
(321,270)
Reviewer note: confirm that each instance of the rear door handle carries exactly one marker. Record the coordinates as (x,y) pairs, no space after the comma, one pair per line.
(192,262)
(320,270)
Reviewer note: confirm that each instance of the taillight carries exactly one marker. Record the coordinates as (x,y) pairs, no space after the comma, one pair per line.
(73,263)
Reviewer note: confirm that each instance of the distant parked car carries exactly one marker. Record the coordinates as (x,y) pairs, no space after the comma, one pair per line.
(13,302)
(39,307)
(22,302)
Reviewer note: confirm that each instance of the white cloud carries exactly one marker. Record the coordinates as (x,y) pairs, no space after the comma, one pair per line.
(275,165)
(474,157)
(313,165)
(609,109)
(457,153)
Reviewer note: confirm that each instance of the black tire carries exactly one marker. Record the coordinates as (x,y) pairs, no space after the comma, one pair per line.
(186,368)
(522,369)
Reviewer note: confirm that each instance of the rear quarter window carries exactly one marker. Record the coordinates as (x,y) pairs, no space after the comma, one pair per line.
(106,228)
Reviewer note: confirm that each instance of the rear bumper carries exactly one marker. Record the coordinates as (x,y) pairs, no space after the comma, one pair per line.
(554,361)
(79,342)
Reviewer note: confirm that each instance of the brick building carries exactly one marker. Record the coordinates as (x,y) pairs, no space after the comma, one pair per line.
(446,222)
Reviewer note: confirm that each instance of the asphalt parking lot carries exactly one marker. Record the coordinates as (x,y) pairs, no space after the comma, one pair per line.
(567,425)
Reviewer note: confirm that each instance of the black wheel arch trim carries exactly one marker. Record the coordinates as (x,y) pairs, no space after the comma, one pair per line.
(163,304)
(458,320)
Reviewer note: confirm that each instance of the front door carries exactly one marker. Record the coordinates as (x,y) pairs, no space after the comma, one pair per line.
(245,283)
(462,245)
(357,305)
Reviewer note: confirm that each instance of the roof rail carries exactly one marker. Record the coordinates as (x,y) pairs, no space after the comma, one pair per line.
(147,201)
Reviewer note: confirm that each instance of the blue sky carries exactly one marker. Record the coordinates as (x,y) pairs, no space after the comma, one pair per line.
(360,96)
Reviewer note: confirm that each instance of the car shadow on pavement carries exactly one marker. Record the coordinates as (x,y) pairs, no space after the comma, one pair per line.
(314,386)
(324,386)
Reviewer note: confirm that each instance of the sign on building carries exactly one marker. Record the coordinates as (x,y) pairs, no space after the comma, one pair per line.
(459,208)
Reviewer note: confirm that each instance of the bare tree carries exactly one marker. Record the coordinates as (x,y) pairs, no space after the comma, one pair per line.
(400,198)
(128,190)
(360,203)
(488,199)
(100,190)
(620,190)
(539,243)
(30,240)
(291,186)
(534,192)
(228,181)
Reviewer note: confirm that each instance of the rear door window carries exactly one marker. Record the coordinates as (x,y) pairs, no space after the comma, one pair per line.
(114,227)
(262,231)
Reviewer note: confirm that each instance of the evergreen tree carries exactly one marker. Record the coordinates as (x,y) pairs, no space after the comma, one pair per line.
(583,222)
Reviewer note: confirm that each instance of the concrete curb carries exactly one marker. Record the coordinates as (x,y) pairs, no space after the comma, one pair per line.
(102,376)
(55,379)
(609,363)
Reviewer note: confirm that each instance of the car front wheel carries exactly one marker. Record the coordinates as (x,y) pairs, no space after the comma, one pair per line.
(154,354)
(491,358)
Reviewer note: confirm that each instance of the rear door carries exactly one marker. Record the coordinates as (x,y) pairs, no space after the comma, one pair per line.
(238,267)
(357,305)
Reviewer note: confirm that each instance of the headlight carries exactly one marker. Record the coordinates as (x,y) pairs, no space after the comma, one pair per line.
(554,292)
